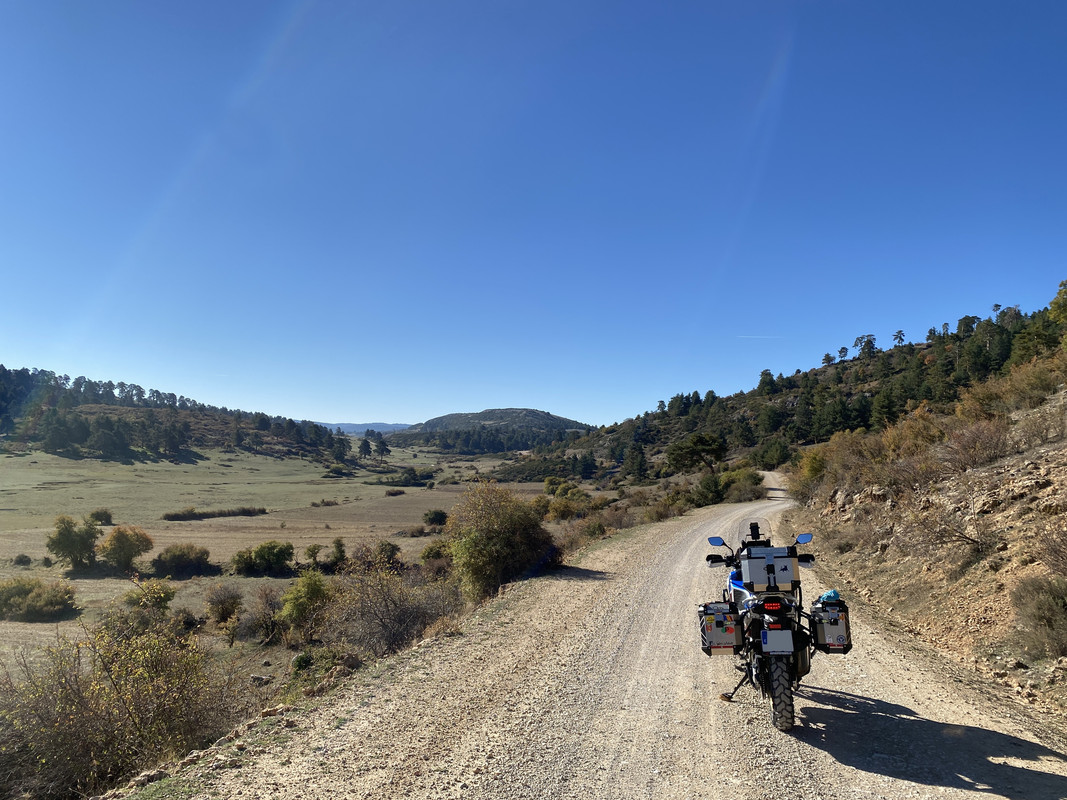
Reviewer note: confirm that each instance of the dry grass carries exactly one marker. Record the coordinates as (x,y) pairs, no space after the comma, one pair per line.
(36,488)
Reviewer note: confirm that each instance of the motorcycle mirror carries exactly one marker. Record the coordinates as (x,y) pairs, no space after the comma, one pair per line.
(716,541)
(804,538)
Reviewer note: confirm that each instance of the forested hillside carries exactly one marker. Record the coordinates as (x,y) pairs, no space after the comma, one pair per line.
(865,387)
(103,419)
(497,430)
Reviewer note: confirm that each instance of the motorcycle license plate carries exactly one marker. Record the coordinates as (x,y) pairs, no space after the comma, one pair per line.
(777,642)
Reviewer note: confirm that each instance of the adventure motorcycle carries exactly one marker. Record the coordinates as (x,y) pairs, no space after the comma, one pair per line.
(762,620)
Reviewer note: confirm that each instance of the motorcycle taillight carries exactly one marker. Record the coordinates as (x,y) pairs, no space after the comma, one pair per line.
(772,605)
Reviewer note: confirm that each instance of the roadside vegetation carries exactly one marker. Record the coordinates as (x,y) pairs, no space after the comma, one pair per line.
(96,706)
(136,688)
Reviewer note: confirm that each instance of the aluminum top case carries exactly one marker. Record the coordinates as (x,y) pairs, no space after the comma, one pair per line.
(770,569)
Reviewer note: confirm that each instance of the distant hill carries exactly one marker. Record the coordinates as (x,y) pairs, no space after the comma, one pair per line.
(514,418)
(495,430)
(359,428)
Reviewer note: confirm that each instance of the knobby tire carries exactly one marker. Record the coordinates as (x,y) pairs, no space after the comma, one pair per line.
(781,695)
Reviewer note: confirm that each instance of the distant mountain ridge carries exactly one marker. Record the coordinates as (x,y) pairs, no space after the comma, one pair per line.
(360,427)
(507,418)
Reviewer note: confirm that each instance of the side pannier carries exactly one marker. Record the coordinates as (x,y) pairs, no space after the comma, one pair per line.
(830,627)
(719,628)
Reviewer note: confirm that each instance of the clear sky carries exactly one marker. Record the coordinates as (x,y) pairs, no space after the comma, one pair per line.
(389,211)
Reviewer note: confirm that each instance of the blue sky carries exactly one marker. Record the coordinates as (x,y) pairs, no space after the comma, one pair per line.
(388,211)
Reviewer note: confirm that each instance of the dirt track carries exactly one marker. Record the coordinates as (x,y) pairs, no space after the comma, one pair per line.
(589,683)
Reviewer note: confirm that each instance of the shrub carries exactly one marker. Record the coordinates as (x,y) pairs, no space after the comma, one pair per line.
(552,483)
(154,594)
(185,620)
(123,545)
(436,560)
(436,517)
(311,553)
(744,493)
(618,517)
(393,492)
(33,600)
(302,661)
(742,485)
(1046,424)
(386,552)
(73,543)
(190,513)
(223,601)
(377,610)
(260,618)
(269,558)
(22,560)
(97,711)
(302,603)
(708,491)
(182,560)
(337,556)
(1051,547)
(101,516)
(564,508)
(433,551)
(494,537)
(1042,605)
(541,504)
(663,509)
(979,443)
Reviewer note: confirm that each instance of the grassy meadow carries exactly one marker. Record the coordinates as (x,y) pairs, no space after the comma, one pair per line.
(36,487)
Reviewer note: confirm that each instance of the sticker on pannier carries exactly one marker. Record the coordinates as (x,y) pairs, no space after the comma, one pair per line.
(719,629)
(830,627)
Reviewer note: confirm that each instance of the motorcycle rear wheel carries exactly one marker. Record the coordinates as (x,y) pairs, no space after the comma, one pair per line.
(781,694)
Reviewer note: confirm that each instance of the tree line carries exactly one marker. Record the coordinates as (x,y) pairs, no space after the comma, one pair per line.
(486,439)
(869,391)
(70,417)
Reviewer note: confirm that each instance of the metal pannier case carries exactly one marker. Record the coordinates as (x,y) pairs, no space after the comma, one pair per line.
(719,628)
(830,627)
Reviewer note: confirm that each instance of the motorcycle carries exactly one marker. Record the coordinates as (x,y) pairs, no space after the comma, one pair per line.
(761,619)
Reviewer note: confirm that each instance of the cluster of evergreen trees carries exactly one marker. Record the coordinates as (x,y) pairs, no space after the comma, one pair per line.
(24,390)
(50,411)
(111,437)
(486,439)
(869,391)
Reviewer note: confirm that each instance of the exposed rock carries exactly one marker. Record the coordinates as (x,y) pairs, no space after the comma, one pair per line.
(149,776)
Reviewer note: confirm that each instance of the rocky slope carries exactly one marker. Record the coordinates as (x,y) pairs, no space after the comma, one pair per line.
(942,565)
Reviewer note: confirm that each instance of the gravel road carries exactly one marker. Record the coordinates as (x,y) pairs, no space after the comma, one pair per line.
(589,683)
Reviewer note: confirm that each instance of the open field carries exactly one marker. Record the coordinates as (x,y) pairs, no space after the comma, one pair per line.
(37,487)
